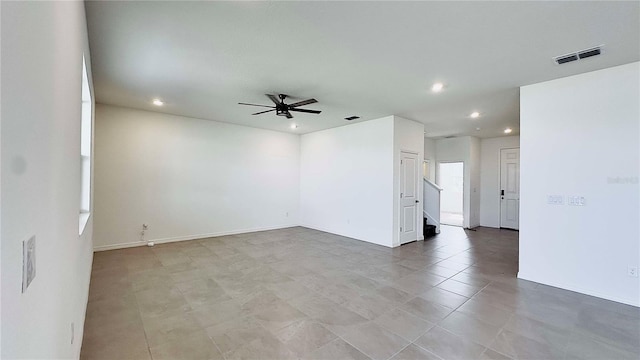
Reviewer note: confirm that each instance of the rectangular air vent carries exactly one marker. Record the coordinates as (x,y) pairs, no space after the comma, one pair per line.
(578,55)
(566,59)
(589,53)
(352,118)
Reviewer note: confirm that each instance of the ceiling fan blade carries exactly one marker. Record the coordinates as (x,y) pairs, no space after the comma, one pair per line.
(262,112)
(269,106)
(273,98)
(307,111)
(289,116)
(257,105)
(303,102)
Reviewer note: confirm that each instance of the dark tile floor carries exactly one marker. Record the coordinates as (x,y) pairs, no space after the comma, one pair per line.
(301,293)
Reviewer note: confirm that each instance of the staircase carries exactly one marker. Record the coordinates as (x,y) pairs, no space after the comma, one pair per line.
(431,210)
(428,230)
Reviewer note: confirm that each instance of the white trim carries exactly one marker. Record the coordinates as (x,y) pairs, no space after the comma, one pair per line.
(188,237)
(579,289)
(420,196)
(434,185)
(350,237)
(82,222)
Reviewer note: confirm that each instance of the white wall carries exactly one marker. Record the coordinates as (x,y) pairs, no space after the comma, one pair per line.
(465,149)
(408,136)
(490,177)
(430,154)
(189,178)
(580,136)
(42,48)
(347,180)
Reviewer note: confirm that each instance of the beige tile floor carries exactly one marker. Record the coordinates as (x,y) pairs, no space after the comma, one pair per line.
(299,293)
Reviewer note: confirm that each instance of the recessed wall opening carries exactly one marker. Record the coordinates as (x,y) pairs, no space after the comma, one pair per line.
(451,180)
(85,150)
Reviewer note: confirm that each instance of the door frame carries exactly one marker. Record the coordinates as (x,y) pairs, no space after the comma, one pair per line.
(464,191)
(419,195)
(500,186)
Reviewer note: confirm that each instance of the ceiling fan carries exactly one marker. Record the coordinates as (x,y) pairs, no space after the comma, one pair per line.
(283,109)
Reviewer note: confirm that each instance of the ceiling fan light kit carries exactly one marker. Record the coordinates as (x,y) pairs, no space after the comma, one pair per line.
(283,109)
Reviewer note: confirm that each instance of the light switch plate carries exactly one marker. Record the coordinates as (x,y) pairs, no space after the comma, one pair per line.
(575,200)
(555,199)
(28,262)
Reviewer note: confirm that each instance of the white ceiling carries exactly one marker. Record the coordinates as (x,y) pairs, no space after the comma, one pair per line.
(370,59)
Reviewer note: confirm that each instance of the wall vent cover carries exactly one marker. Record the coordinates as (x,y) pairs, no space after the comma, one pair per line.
(352,118)
(578,55)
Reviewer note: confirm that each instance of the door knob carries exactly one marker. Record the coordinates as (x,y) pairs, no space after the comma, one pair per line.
(417,201)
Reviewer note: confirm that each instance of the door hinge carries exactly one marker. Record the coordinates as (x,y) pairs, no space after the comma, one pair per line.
(400,228)
(400,195)
(400,162)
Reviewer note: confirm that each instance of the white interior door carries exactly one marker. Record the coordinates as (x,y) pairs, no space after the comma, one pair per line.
(510,188)
(409,180)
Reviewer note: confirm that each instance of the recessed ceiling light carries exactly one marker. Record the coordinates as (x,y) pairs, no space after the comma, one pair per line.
(437,87)
(294,126)
(158,102)
(475,115)
(507,131)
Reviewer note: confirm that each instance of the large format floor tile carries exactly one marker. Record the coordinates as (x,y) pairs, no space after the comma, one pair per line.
(298,293)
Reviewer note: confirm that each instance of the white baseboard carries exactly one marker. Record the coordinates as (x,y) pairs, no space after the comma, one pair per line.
(336,233)
(578,289)
(188,237)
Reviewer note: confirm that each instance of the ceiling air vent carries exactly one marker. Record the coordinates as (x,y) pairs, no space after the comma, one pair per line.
(566,58)
(578,55)
(352,118)
(589,53)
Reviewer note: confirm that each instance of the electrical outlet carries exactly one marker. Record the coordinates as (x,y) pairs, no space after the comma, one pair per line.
(28,262)
(632,271)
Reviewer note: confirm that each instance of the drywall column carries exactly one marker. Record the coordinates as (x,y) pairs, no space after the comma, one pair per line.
(408,136)
(347,180)
(42,48)
(580,138)
(474,182)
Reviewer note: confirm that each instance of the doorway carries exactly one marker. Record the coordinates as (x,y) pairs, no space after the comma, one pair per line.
(451,180)
(510,188)
(409,196)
